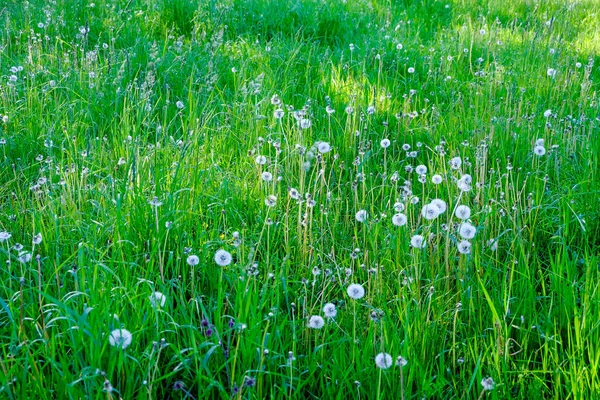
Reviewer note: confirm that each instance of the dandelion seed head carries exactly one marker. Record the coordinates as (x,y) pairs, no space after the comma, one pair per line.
(329,310)
(193,260)
(462,212)
(223,258)
(467,230)
(157,299)
(120,338)
(361,215)
(356,291)
(383,360)
(316,322)
(399,219)
(418,242)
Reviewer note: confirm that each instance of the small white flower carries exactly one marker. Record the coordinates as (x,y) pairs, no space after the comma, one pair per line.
(401,361)
(462,212)
(223,257)
(467,231)
(180,104)
(193,260)
(316,322)
(399,219)
(411,70)
(4,236)
(120,338)
(421,169)
(37,239)
(383,360)
(539,150)
(323,147)
(278,113)
(355,291)
(361,215)
(24,257)
(436,179)
(430,211)
(329,310)
(398,207)
(271,201)
(260,160)
(385,143)
(547,113)
(464,247)
(418,242)
(455,163)
(488,384)
(440,204)
(305,123)
(551,72)
(157,299)
(266,176)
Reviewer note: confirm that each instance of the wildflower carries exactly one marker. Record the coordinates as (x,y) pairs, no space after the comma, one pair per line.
(399,207)
(120,338)
(411,70)
(155,202)
(157,299)
(383,360)
(385,143)
(24,257)
(467,231)
(464,183)
(267,176)
(464,247)
(418,242)
(356,291)
(329,110)
(260,160)
(275,100)
(323,147)
(223,258)
(271,201)
(37,239)
(193,260)
(462,212)
(399,46)
(493,244)
(361,215)
(399,219)
(278,113)
(547,113)
(401,361)
(305,123)
(488,384)
(329,310)
(455,163)
(430,211)
(551,72)
(421,169)
(316,322)
(180,104)
(440,204)
(294,194)
(371,110)
(539,150)
(4,236)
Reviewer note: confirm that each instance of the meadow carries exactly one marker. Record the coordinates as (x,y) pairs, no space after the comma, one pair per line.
(248,199)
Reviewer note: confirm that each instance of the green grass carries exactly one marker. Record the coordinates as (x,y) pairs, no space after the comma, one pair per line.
(130,137)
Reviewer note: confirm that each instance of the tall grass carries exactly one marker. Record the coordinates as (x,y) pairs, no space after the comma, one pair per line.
(307,140)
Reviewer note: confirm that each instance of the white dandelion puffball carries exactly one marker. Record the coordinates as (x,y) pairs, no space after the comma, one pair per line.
(430,211)
(464,247)
(37,239)
(271,201)
(329,310)
(385,143)
(421,169)
(323,147)
(383,360)
(398,207)
(4,236)
(361,215)
(223,258)
(305,123)
(467,231)
(278,114)
(436,179)
(551,72)
(316,322)
(193,260)
(157,299)
(547,113)
(440,204)
(411,70)
(401,361)
(266,176)
(356,291)
(418,242)
(455,163)
(399,219)
(539,150)
(260,160)
(462,212)
(120,338)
